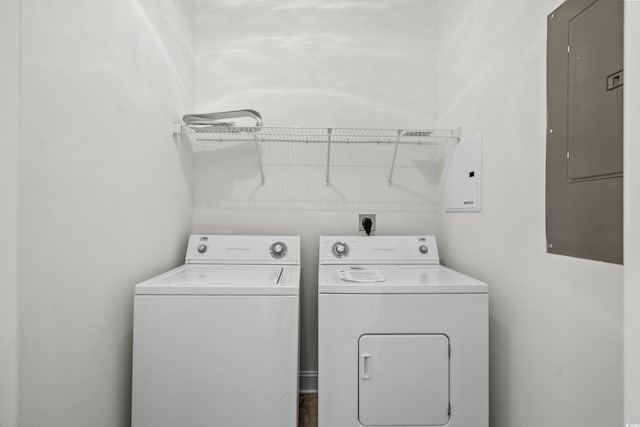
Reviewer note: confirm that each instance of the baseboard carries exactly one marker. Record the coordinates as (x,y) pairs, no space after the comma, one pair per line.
(308,382)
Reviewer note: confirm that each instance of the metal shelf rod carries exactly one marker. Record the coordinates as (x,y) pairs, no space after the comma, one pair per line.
(395,155)
(328,154)
(255,141)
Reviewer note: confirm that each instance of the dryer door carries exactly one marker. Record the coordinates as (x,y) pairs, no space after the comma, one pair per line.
(403,380)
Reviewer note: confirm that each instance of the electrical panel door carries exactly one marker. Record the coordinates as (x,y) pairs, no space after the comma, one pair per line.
(403,380)
(585,81)
(595,96)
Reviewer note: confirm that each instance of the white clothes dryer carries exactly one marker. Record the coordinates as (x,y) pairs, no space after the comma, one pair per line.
(403,341)
(215,341)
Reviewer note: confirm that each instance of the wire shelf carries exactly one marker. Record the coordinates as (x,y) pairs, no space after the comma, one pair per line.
(261,134)
(321,135)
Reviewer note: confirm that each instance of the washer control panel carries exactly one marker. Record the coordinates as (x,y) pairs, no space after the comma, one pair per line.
(378,250)
(241,249)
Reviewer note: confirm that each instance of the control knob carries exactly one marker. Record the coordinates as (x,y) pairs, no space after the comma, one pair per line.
(202,249)
(424,249)
(340,249)
(278,250)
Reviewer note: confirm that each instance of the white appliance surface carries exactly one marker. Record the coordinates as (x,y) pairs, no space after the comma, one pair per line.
(202,279)
(407,399)
(419,279)
(411,350)
(217,343)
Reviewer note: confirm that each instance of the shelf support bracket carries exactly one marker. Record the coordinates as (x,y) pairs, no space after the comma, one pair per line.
(457,133)
(395,155)
(176,128)
(328,154)
(255,142)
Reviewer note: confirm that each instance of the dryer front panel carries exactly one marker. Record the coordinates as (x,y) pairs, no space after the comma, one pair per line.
(418,327)
(403,380)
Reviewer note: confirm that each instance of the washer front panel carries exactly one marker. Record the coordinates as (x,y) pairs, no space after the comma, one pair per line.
(200,360)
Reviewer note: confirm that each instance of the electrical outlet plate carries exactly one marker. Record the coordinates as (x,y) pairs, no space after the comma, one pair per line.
(372,217)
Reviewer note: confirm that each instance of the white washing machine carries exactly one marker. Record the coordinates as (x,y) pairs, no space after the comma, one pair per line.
(215,341)
(403,341)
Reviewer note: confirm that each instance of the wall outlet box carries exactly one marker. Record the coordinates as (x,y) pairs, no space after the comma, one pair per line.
(372,217)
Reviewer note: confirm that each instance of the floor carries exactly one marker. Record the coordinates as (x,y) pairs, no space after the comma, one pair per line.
(308,410)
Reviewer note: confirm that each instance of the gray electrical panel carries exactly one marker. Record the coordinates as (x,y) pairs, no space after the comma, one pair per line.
(585,81)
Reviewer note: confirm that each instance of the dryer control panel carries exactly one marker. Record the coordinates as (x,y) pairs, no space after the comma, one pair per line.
(378,250)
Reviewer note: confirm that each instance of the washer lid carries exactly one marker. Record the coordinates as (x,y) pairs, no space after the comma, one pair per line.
(194,279)
(398,279)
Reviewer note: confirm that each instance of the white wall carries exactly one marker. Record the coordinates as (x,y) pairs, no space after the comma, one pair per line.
(632,213)
(556,322)
(9,107)
(316,63)
(104,194)
(319,63)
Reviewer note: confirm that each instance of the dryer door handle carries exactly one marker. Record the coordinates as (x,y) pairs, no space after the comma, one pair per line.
(365,366)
